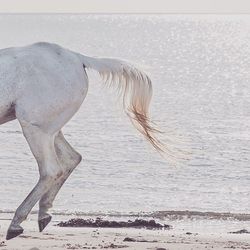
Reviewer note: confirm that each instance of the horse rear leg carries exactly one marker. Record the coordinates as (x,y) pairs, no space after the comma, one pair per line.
(42,147)
(68,159)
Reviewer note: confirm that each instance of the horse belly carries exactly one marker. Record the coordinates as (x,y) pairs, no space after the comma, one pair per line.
(7,107)
(7,113)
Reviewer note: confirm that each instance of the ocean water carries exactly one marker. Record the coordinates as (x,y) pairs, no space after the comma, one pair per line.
(200,68)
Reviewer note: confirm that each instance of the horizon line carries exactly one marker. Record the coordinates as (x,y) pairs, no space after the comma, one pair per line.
(125,13)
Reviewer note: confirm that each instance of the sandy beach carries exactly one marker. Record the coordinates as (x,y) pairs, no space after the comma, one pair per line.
(178,237)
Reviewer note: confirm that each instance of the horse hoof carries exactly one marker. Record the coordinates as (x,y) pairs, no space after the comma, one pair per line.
(44,222)
(12,233)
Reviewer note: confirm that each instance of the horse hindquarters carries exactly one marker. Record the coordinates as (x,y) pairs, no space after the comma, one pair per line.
(42,111)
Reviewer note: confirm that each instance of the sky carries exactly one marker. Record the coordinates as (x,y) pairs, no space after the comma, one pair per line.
(125,6)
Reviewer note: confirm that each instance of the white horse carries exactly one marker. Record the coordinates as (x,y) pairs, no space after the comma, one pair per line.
(42,86)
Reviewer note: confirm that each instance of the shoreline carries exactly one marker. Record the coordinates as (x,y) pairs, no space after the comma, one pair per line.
(184,234)
(161,215)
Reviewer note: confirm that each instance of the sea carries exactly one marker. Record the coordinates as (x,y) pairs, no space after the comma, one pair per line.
(200,71)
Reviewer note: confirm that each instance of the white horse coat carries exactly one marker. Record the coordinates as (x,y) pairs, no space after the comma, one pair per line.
(43,85)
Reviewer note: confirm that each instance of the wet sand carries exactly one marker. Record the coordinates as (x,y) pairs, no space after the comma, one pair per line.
(55,237)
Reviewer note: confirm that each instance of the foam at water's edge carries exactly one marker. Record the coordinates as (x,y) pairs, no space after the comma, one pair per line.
(161,215)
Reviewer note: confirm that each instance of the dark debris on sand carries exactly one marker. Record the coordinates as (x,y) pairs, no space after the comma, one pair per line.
(2,244)
(99,222)
(242,231)
(128,239)
(100,246)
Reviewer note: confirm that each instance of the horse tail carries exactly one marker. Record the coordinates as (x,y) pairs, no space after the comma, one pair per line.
(135,88)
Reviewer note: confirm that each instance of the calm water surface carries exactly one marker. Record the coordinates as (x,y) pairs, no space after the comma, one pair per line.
(200,67)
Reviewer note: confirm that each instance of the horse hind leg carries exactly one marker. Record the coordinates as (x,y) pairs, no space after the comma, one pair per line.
(42,147)
(68,159)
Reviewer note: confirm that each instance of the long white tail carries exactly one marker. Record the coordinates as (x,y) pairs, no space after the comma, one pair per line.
(136,90)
